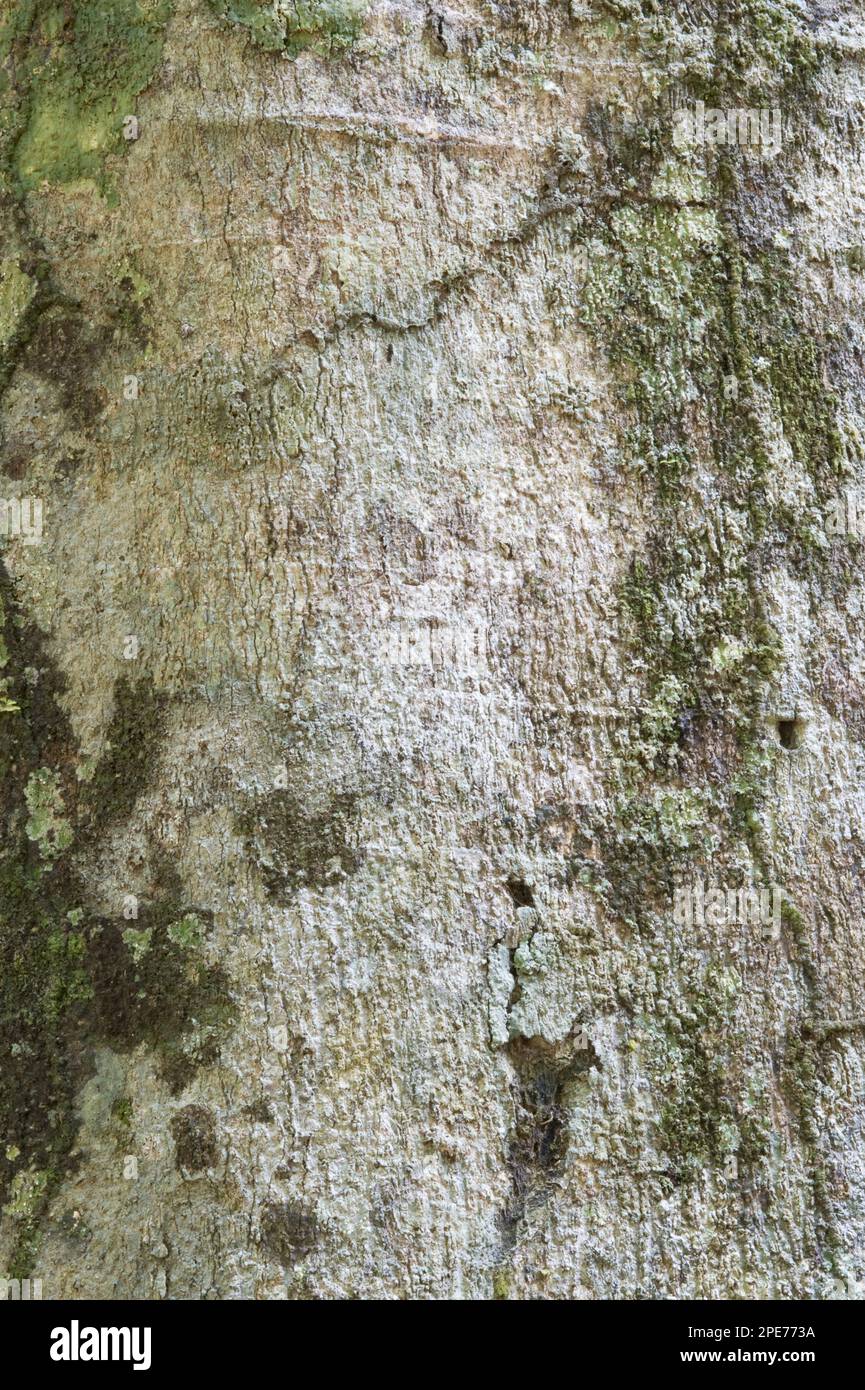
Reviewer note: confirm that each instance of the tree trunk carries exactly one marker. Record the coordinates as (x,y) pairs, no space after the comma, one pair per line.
(432,599)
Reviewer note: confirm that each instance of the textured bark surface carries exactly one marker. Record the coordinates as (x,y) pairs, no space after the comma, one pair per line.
(437,458)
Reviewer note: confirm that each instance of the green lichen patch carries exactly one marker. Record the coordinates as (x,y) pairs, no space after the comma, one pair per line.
(44,984)
(327,27)
(188,933)
(654,298)
(701,316)
(69,76)
(28,1193)
(122,1113)
(138,942)
(46,823)
(802,1079)
(739,51)
(16,292)
(707,1119)
(698,330)
(797,357)
(71,980)
(76,72)
(151,985)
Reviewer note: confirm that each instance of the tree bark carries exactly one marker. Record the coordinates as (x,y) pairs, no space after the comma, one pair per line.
(446,602)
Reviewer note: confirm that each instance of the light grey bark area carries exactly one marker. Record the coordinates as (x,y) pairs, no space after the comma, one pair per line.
(442,463)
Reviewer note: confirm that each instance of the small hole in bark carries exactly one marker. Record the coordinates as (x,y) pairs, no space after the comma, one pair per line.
(521,893)
(791,732)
